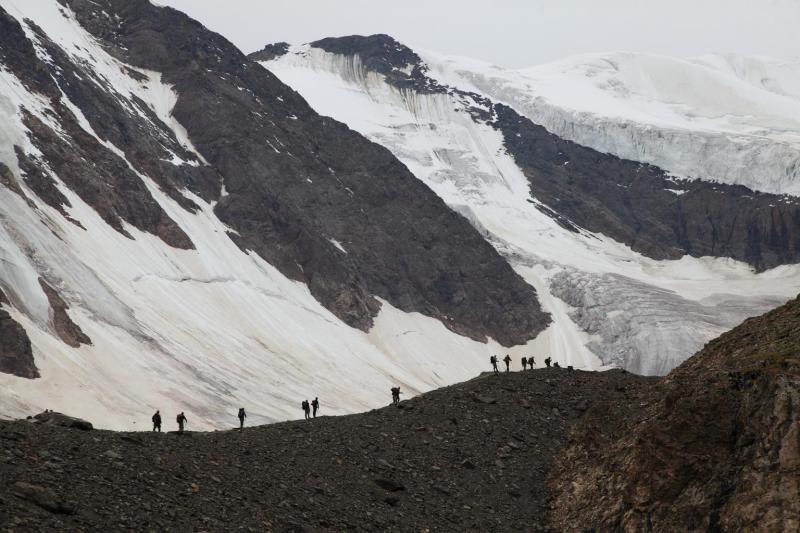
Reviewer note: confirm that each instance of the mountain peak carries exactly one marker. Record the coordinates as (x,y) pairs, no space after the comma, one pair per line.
(380,52)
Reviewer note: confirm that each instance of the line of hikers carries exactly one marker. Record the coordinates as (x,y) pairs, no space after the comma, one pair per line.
(526,362)
(182,420)
(310,408)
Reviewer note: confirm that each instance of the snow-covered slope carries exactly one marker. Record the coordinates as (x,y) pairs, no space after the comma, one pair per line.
(203,325)
(606,300)
(730,119)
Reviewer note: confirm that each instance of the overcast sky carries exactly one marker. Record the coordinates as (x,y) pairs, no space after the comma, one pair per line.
(517,33)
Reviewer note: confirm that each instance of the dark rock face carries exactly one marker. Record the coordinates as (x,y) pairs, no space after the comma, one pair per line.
(625,200)
(295,181)
(441,462)
(16,356)
(270,52)
(68,330)
(7,180)
(714,447)
(380,53)
(633,203)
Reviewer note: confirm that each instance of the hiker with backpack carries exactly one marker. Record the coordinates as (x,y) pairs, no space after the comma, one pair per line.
(306,409)
(395,395)
(547,361)
(493,360)
(157,421)
(242,415)
(531,362)
(507,361)
(524,363)
(181,420)
(315,405)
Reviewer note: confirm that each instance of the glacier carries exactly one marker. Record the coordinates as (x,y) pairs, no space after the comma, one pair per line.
(611,305)
(722,118)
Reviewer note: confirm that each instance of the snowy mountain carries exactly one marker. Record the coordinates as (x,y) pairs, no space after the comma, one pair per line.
(181,230)
(635,265)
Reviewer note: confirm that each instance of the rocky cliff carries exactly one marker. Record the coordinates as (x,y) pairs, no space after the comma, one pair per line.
(16,356)
(714,447)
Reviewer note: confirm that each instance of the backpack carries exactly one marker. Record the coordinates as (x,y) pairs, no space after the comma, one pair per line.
(178,419)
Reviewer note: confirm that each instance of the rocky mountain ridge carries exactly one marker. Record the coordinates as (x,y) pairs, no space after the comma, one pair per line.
(715,445)
(471,457)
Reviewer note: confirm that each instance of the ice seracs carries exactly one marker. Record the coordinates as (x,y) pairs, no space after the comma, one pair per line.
(724,118)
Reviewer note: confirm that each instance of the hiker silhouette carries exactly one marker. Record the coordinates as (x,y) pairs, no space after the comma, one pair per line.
(181,419)
(524,363)
(315,405)
(242,415)
(395,395)
(157,421)
(507,361)
(547,362)
(493,360)
(306,409)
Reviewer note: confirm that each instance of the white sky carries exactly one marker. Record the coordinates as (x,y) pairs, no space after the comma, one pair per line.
(517,33)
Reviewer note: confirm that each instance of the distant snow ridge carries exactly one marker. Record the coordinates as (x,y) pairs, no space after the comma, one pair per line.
(730,119)
(610,305)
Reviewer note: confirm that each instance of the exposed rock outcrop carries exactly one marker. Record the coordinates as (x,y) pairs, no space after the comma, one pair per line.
(69,331)
(16,356)
(715,446)
(53,418)
(270,51)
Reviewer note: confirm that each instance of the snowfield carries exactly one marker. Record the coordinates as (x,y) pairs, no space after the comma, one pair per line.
(611,306)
